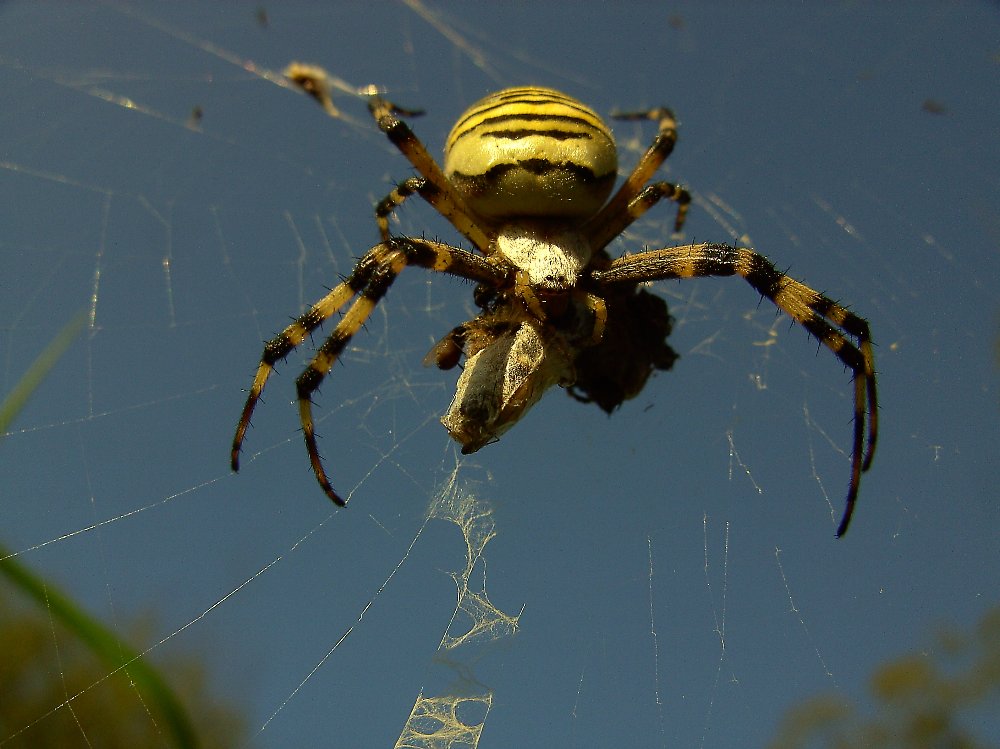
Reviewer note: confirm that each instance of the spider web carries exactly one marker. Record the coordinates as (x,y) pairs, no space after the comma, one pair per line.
(667,576)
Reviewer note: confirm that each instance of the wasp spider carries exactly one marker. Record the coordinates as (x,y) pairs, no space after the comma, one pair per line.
(526,180)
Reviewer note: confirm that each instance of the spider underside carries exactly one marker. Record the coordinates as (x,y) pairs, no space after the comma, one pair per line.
(526,181)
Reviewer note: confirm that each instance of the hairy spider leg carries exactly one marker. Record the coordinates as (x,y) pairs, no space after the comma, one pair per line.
(435,188)
(814,311)
(370,278)
(278,348)
(387,205)
(617,212)
(599,235)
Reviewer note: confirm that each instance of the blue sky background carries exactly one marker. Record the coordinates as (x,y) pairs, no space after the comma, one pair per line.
(703,511)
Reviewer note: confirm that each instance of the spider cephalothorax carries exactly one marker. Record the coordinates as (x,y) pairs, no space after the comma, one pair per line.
(527,176)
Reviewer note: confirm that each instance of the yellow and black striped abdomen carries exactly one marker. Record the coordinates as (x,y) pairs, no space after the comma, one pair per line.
(531,151)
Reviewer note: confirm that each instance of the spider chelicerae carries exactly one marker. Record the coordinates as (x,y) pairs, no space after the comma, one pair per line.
(527,176)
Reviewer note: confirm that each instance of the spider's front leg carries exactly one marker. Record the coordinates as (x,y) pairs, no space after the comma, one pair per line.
(828,321)
(291,337)
(369,281)
(282,345)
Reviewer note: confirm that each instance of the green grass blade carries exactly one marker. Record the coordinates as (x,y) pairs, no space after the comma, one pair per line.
(109,648)
(113,653)
(17,397)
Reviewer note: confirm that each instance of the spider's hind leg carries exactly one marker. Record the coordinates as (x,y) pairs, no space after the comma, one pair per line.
(388,205)
(436,189)
(413,186)
(634,198)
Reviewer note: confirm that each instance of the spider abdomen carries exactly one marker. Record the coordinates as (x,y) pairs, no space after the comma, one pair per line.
(531,151)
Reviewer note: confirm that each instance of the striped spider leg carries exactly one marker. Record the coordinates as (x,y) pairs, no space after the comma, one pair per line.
(369,281)
(433,186)
(635,196)
(822,317)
